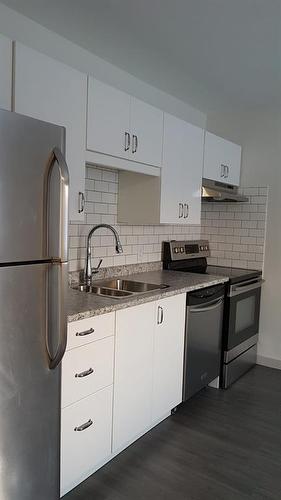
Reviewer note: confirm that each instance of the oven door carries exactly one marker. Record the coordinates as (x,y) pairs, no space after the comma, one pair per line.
(242,311)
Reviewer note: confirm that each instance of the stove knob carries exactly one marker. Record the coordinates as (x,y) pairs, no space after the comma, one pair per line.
(176,250)
(182,250)
(206,248)
(201,248)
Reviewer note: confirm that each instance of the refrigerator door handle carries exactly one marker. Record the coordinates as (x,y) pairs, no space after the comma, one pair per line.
(56,327)
(57,157)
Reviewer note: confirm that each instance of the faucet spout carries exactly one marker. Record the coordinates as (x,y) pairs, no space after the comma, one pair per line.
(88,270)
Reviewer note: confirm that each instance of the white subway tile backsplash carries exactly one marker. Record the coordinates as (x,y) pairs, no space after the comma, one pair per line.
(235,230)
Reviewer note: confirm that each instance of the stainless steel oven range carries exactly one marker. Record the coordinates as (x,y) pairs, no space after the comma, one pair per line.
(241,309)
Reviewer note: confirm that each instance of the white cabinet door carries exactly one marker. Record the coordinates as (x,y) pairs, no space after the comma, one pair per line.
(133,373)
(168,355)
(108,119)
(86,429)
(51,91)
(146,125)
(222,160)
(5,73)
(181,176)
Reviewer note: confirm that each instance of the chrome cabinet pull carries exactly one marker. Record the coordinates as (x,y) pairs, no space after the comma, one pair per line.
(224,170)
(186,210)
(85,426)
(81,202)
(160,315)
(180,210)
(135,144)
(127,141)
(86,332)
(85,373)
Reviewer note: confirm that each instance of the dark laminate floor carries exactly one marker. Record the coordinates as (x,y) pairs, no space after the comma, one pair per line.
(221,445)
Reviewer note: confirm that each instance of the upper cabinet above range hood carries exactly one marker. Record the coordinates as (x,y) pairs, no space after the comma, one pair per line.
(218,191)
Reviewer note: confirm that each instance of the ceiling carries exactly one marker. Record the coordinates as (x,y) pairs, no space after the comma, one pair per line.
(210,53)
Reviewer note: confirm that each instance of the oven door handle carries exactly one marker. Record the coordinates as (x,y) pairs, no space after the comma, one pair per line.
(248,286)
(208,307)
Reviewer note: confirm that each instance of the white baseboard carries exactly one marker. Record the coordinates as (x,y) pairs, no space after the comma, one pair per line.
(270,362)
(215,383)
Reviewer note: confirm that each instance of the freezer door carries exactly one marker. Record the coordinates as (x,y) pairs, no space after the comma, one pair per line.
(29,388)
(33,190)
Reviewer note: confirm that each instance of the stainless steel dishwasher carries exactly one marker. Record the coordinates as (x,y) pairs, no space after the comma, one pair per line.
(203,338)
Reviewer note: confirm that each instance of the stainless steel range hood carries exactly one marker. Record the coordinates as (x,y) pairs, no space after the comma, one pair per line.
(218,191)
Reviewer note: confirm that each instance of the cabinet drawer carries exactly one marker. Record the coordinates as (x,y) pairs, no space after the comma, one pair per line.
(86,370)
(85,437)
(87,330)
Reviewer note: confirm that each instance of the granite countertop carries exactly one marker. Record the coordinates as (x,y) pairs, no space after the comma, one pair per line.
(82,305)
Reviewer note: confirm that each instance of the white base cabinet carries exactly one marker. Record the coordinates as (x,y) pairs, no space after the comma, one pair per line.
(222,160)
(5,73)
(168,355)
(51,91)
(148,366)
(99,420)
(133,373)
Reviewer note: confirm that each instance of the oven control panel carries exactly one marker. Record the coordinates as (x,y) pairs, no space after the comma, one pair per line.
(182,250)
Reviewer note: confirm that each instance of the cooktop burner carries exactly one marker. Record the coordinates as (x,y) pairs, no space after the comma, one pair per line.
(234,274)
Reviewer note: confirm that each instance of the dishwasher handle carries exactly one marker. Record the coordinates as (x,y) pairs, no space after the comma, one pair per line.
(209,306)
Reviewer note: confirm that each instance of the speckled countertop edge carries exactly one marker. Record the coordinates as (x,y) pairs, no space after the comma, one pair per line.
(81,305)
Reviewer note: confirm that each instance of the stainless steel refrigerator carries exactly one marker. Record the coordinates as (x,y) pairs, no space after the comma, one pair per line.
(33,287)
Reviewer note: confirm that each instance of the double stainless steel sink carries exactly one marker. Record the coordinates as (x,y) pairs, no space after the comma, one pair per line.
(119,288)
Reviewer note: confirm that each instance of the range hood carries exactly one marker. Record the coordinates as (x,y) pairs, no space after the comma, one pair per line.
(218,191)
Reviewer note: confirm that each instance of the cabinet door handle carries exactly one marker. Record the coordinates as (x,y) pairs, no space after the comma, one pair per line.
(227,170)
(81,204)
(85,426)
(127,141)
(160,315)
(85,373)
(134,144)
(223,170)
(186,210)
(180,210)
(86,332)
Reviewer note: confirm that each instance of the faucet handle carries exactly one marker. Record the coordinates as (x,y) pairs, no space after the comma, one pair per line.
(96,269)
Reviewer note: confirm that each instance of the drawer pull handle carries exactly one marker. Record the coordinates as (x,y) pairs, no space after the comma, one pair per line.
(83,427)
(85,373)
(86,332)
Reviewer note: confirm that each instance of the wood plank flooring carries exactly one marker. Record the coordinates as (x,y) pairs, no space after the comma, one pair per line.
(221,445)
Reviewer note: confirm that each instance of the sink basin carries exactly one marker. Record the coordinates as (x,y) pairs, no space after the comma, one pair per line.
(99,290)
(119,288)
(131,286)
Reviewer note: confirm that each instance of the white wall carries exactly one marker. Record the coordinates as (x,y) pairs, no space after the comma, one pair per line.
(259,133)
(26,31)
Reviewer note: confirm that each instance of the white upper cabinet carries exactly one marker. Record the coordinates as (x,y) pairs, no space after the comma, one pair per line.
(181,177)
(51,91)
(5,72)
(222,160)
(122,126)
(108,125)
(146,133)
(168,355)
(175,197)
